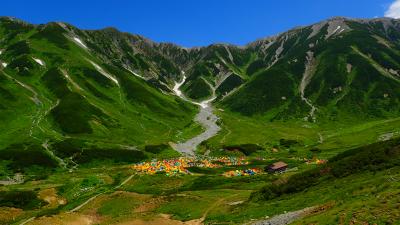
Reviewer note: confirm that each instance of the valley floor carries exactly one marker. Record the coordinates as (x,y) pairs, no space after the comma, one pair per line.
(118,195)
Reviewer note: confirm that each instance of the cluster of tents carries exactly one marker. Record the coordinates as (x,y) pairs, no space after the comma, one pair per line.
(316,161)
(230,161)
(179,165)
(169,167)
(246,172)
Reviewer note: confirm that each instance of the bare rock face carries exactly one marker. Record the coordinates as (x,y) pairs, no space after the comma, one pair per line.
(336,26)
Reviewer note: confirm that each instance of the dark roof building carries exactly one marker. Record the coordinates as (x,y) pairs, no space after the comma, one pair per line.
(277,167)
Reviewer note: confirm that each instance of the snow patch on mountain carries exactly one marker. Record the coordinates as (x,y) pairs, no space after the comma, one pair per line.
(79,42)
(336,26)
(103,72)
(205,117)
(177,87)
(204,104)
(39,61)
(137,75)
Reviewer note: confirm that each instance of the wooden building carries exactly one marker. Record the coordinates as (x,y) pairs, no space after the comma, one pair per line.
(277,167)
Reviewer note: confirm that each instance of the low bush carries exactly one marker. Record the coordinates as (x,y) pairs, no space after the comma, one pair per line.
(288,143)
(20,199)
(156,149)
(246,149)
(374,157)
(22,156)
(82,153)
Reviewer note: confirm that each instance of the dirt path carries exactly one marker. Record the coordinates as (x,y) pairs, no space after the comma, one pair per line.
(224,137)
(28,220)
(125,181)
(86,202)
(41,111)
(285,218)
(17,179)
(94,197)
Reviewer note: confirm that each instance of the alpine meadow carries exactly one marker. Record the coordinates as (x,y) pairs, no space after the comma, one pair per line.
(108,127)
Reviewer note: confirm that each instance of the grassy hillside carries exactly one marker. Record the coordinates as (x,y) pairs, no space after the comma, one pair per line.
(54,89)
(357,186)
(351,75)
(112,90)
(78,107)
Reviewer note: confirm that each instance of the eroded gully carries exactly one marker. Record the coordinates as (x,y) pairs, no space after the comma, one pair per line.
(206,118)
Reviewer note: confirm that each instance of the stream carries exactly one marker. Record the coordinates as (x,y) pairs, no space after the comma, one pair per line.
(206,118)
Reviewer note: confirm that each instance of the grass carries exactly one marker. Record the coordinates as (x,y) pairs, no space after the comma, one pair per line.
(196,204)
(109,125)
(120,205)
(356,193)
(215,197)
(358,185)
(80,107)
(337,137)
(79,185)
(157,184)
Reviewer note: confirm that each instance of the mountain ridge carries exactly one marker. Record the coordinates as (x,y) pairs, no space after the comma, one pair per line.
(338,71)
(378,19)
(94,121)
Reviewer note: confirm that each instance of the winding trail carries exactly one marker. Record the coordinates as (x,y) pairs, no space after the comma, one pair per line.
(86,202)
(205,117)
(97,195)
(285,218)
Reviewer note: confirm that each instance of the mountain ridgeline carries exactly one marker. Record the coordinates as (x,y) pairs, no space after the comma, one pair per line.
(69,93)
(334,70)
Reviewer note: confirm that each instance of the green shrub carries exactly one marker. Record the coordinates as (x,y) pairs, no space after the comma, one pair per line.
(246,149)
(19,48)
(372,157)
(26,200)
(86,154)
(22,156)
(156,149)
(288,143)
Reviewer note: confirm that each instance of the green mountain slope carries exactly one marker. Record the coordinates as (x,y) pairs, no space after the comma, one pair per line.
(91,102)
(54,89)
(105,89)
(336,70)
(359,185)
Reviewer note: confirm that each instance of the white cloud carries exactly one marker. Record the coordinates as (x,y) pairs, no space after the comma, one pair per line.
(394,10)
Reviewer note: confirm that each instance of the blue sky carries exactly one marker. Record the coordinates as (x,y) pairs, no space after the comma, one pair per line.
(195,23)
